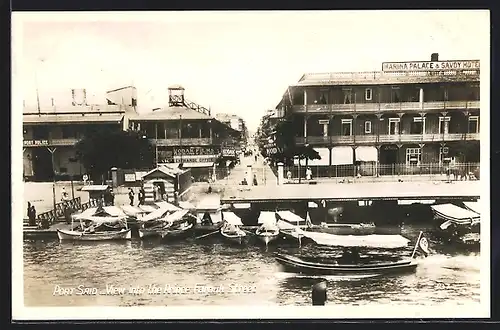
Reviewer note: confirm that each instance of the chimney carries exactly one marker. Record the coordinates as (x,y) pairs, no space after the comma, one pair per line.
(435,57)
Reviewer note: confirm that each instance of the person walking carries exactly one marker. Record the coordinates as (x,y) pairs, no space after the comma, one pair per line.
(255,179)
(28,210)
(32,215)
(308,174)
(131,196)
(289,175)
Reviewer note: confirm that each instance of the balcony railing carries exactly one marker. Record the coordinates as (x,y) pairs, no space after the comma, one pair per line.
(50,142)
(371,139)
(386,107)
(195,142)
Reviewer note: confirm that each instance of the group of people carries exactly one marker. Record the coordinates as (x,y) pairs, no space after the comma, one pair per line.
(141,196)
(245,181)
(308,174)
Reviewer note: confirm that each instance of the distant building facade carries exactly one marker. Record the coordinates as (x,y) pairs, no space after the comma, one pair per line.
(237,123)
(53,131)
(186,134)
(408,115)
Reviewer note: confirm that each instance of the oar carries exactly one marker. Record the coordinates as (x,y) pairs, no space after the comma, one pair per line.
(207,234)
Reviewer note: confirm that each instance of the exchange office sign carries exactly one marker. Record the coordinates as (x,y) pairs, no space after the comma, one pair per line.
(35,143)
(430,66)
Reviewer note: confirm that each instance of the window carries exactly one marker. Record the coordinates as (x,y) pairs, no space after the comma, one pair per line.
(443,153)
(418,125)
(368,127)
(323,97)
(395,96)
(368,94)
(393,126)
(413,156)
(444,124)
(346,127)
(347,95)
(474,124)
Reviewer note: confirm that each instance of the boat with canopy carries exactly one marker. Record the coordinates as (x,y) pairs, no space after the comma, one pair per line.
(208,216)
(458,225)
(98,224)
(231,230)
(152,223)
(350,262)
(268,230)
(180,226)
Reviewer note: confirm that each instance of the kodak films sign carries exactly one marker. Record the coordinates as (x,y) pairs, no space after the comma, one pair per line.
(430,66)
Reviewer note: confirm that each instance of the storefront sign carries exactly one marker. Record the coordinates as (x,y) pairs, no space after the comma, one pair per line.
(129,177)
(430,66)
(195,159)
(228,152)
(195,151)
(35,143)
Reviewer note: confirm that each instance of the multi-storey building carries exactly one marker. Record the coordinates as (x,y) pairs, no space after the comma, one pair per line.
(50,133)
(408,115)
(186,133)
(237,123)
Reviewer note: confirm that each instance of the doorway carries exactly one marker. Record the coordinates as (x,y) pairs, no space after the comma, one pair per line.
(42,165)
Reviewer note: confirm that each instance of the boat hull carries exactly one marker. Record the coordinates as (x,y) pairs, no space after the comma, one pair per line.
(299,266)
(267,238)
(346,229)
(206,229)
(239,239)
(175,234)
(68,235)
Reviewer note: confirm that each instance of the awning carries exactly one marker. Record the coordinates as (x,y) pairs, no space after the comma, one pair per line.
(455,214)
(324,153)
(187,205)
(267,217)
(242,205)
(168,206)
(290,217)
(95,188)
(197,165)
(366,154)
(368,241)
(342,156)
(232,218)
(472,206)
(147,208)
(131,210)
(176,216)
(157,214)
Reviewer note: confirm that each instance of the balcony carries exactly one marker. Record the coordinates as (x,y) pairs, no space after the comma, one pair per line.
(385,107)
(373,139)
(50,142)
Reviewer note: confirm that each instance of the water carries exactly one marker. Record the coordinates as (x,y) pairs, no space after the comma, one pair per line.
(251,273)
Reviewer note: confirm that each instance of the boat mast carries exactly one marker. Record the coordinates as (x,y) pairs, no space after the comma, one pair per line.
(416,245)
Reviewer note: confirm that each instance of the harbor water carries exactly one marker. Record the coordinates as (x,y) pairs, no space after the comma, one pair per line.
(141,273)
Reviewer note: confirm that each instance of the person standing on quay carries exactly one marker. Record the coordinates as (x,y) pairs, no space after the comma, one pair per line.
(308,174)
(131,196)
(29,209)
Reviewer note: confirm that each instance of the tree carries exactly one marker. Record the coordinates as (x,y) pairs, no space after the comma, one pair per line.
(105,149)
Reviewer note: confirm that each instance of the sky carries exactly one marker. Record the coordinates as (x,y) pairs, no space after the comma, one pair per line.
(232,62)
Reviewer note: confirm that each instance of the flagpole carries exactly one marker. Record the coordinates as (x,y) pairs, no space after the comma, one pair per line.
(416,245)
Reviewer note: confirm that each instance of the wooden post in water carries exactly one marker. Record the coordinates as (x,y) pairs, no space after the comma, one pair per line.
(52,150)
(319,294)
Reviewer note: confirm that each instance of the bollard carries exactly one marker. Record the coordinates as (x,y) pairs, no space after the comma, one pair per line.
(319,294)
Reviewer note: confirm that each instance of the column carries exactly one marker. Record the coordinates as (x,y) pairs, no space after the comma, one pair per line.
(249,175)
(305,126)
(325,129)
(280,174)
(421,98)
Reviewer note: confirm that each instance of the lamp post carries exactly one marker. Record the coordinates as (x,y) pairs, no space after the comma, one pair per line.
(52,150)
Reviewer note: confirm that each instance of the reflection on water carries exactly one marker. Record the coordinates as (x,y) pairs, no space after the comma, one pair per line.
(185,273)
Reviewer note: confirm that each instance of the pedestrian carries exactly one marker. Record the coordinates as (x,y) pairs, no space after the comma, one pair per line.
(112,198)
(254,179)
(28,210)
(64,195)
(255,157)
(131,196)
(140,197)
(308,174)
(289,175)
(32,215)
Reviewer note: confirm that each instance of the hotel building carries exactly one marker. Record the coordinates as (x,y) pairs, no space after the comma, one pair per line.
(405,118)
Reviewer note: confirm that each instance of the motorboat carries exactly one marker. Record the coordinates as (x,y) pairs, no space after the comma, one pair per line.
(97,224)
(351,264)
(268,230)
(231,230)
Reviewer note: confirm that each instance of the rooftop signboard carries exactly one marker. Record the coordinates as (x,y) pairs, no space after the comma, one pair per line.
(430,66)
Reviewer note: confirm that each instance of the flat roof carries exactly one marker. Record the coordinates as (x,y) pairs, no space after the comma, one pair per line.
(72,118)
(458,190)
(381,78)
(75,109)
(170,113)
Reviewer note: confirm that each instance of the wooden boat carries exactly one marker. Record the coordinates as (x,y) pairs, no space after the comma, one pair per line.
(456,222)
(352,267)
(98,224)
(178,231)
(155,227)
(231,230)
(208,221)
(268,231)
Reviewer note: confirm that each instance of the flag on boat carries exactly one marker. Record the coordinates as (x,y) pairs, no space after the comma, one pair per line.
(423,245)
(308,220)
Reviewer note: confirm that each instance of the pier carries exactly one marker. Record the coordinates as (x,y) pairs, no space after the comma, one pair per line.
(345,192)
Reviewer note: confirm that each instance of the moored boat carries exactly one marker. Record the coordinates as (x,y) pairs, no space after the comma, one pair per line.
(179,230)
(268,231)
(97,224)
(455,223)
(152,226)
(351,264)
(231,230)
(345,228)
(208,220)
